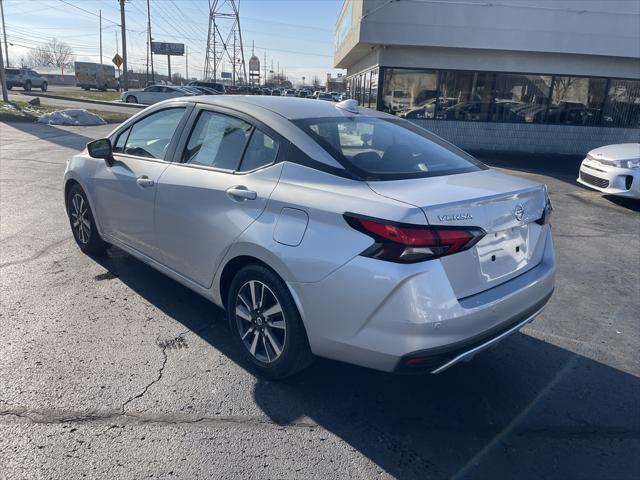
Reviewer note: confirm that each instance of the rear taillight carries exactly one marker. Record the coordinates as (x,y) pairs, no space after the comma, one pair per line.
(403,243)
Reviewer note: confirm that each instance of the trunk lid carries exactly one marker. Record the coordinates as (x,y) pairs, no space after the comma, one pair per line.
(506,207)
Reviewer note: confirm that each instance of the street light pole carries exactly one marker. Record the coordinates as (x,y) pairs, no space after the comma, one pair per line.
(4,32)
(100,15)
(3,80)
(125,76)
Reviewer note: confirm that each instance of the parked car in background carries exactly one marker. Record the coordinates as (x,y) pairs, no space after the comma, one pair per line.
(276,93)
(94,75)
(25,78)
(325,96)
(302,94)
(613,170)
(266,91)
(335,96)
(322,229)
(428,108)
(218,87)
(200,90)
(155,94)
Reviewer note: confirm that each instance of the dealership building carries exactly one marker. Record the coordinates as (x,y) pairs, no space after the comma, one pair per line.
(553,76)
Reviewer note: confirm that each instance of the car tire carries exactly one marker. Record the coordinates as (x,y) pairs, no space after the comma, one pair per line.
(27,86)
(275,344)
(44,86)
(83,224)
(131,99)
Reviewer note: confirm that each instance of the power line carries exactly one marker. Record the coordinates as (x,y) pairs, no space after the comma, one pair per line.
(87,11)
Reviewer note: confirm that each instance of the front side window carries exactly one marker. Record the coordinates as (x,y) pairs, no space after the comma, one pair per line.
(150,137)
(217,141)
(261,151)
(381,149)
(118,147)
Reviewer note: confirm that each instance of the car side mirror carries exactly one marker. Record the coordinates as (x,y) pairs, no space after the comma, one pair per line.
(101,149)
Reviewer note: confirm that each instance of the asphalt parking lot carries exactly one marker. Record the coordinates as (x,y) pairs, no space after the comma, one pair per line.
(109,369)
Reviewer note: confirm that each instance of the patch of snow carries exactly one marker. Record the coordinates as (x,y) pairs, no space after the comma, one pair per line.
(71,116)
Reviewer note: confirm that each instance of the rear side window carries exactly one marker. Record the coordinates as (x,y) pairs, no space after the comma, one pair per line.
(261,151)
(380,149)
(12,71)
(217,141)
(150,137)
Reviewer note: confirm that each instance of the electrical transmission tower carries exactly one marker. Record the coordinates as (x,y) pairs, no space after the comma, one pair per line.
(224,42)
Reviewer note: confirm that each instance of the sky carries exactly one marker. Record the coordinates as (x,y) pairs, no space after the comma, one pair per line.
(297,35)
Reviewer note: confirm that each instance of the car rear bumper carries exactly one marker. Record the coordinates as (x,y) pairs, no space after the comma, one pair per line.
(624,182)
(379,315)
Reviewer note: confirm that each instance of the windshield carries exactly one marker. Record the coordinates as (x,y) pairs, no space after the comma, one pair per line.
(381,149)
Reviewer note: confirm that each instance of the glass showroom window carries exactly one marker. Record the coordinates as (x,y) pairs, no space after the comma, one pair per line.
(521,98)
(466,96)
(576,100)
(374,89)
(622,108)
(410,93)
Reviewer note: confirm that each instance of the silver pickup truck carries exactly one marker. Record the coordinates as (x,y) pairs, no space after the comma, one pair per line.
(25,78)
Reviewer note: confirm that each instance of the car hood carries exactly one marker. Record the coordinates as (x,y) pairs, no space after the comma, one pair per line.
(621,151)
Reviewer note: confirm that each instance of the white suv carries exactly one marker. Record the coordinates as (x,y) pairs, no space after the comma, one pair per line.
(25,78)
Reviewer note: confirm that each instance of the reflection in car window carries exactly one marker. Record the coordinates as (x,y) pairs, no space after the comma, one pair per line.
(122,138)
(261,151)
(150,136)
(217,141)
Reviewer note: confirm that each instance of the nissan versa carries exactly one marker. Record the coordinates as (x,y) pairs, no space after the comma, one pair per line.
(322,229)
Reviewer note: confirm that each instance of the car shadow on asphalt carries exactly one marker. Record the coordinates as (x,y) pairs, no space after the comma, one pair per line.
(53,134)
(527,409)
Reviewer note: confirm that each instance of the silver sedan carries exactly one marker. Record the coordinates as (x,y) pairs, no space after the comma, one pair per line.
(322,229)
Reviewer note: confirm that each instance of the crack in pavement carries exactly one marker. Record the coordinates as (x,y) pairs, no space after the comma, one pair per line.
(46,249)
(118,419)
(52,417)
(163,347)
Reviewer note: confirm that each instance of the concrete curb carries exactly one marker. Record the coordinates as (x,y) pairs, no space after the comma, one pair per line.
(85,100)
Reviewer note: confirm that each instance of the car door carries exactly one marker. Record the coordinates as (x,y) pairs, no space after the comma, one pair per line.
(226,174)
(125,191)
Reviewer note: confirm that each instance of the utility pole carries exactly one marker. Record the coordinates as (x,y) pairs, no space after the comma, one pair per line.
(169,65)
(3,80)
(125,76)
(187,62)
(100,15)
(149,46)
(4,32)
(233,81)
(265,69)
(118,52)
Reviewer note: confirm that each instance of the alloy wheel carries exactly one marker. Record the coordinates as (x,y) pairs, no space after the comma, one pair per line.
(260,321)
(79,218)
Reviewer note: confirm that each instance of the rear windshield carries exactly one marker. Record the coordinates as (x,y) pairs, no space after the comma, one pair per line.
(12,71)
(387,149)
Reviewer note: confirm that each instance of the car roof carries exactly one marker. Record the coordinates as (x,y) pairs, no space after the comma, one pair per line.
(291,108)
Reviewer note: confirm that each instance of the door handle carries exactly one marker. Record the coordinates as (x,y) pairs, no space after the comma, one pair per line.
(240,193)
(144,181)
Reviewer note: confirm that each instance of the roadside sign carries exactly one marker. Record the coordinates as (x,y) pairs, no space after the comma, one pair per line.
(164,48)
(117,60)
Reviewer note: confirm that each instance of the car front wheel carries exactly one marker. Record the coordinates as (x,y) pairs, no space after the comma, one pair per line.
(82,223)
(266,323)
(27,86)
(131,99)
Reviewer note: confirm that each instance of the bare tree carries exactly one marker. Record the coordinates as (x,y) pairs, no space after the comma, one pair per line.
(52,54)
(315,81)
(562,87)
